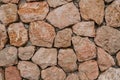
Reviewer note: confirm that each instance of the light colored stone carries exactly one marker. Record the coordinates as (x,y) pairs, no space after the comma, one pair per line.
(45,57)
(92,10)
(64,16)
(18,34)
(8,56)
(118,58)
(3,36)
(88,70)
(55,3)
(1,74)
(33,11)
(72,76)
(84,29)
(110,74)
(112,14)
(25,53)
(9,1)
(67,60)
(108,1)
(12,73)
(41,34)
(53,73)
(108,38)
(104,60)
(84,48)
(29,70)
(63,38)
(8,13)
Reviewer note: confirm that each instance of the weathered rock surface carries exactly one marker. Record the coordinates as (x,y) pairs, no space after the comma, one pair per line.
(63,38)
(84,48)
(108,38)
(64,16)
(92,10)
(72,76)
(118,58)
(33,11)
(2,74)
(18,34)
(41,34)
(53,73)
(45,57)
(9,1)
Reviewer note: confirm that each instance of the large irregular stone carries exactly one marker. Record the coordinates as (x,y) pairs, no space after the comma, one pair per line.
(8,56)
(67,60)
(3,36)
(8,13)
(92,10)
(112,14)
(118,58)
(55,3)
(110,74)
(41,34)
(84,48)
(88,70)
(84,29)
(29,70)
(72,77)
(53,73)
(2,74)
(9,1)
(18,34)
(45,57)
(12,73)
(64,16)
(108,38)
(104,60)
(25,53)
(33,11)
(63,38)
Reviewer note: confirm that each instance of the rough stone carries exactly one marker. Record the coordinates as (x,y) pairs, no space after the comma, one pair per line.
(104,60)
(84,29)
(25,53)
(53,73)
(72,77)
(108,38)
(3,36)
(9,1)
(67,60)
(41,34)
(12,73)
(8,13)
(18,34)
(64,16)
(88,70)
(118,58)
(8,56)
(29,70)
(33,11)
(92,10)
(84,48)
(63,38)
(45,57)
(112,14)
(108,1)
(2,74)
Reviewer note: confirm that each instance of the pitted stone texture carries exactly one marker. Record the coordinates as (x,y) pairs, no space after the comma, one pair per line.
(88,70)
(29,70)
(53,73)
(12,73)
(108,1)
(33,11)
(84,48)
(8,13)
(118,58)
(8,56)
(72,76)
(9,1)
(112,14)
(25,53)
(108,38)
(3,36)
(2,74)
(55,3)
(84,29)
(64,16)
(104,60)
(45,57)
(18,34)
(67,60)
(110,74)
(41,34)
(63,38)
(92,10)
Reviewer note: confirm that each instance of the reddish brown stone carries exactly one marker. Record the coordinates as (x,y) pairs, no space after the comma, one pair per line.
(9,1)
(118,58)
(72,77)
(2,74)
